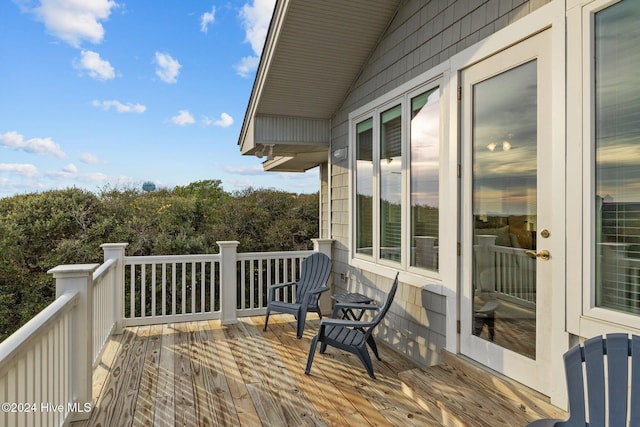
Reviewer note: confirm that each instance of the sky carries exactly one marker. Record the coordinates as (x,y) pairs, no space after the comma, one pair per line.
(101,94)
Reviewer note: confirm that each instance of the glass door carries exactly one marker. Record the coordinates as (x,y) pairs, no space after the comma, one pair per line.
(506,266)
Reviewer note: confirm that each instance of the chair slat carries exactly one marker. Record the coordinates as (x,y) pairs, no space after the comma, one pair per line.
(620,382)
(635,380)
(617,378)
(594,366)
(575,385)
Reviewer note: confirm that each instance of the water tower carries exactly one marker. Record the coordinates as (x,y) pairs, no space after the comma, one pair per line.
(148,186)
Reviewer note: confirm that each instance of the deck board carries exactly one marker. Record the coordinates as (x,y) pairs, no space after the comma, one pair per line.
(208,374)
(164,402)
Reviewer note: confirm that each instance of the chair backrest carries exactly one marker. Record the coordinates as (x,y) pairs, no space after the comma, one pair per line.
(612,373)
(314,273)
(387,303)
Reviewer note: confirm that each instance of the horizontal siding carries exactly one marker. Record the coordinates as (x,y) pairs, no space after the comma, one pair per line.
(294,130)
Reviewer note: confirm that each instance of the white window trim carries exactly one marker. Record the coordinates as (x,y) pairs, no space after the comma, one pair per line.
(436,77)
(583,317)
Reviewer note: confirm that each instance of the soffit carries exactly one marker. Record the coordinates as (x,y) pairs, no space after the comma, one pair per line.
(317,54)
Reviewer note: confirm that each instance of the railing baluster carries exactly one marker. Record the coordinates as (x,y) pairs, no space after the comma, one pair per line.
(203,287)
(164,289)
(153,289)
(194,292)
(243,281)
(212,285)
(173,289)
(132,307)
(143,290)
(3,398)
(260,283)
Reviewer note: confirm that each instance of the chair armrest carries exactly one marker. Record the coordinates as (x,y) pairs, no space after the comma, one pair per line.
(273,288)
(307,297)
(346,323)
(319,290)
(282,285)
(547,422)
(352,306)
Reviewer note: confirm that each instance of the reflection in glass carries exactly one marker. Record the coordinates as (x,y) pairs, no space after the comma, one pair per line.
(425,158)
(505,207)
(617,157)
(364,187)
(390,183)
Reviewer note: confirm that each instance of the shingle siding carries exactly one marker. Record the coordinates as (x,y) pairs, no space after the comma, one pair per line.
(421,36)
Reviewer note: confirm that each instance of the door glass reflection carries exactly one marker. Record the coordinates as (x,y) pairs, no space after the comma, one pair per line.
(504,208)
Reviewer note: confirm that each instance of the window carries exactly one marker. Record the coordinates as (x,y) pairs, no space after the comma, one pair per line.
(617,157)
(396,152)
(391,183)
(424,182)
(364,187)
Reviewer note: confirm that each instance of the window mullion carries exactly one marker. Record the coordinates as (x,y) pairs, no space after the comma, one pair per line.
(376,185)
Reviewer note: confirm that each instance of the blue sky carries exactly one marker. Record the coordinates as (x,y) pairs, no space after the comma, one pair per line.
(102,93)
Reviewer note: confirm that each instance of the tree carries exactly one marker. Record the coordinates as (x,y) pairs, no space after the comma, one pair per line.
(41,230)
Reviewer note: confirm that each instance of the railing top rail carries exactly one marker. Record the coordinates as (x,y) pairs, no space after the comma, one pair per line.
(279,254)
(14,344)
(151,259)
(103,269)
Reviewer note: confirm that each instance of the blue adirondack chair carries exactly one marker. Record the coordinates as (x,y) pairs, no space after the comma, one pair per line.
(351,335)
(622,384)
(314,273)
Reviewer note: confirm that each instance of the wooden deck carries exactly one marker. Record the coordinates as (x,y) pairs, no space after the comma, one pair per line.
(205,374)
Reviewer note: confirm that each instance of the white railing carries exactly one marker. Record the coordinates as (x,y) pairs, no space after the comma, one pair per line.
(259,270)
(105,279)
(35,368)
(507,271)
(162,289)
(178,288)
(46,366)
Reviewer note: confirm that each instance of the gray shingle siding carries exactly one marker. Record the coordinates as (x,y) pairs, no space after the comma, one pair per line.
(422,35)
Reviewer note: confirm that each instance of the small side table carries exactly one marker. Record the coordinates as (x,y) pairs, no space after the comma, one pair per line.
(355,298)
(352,298)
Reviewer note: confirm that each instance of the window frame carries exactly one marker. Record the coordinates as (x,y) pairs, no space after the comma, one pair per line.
(401,96)
(591,319)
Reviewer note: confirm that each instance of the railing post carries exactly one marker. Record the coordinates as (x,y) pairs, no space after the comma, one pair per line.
(116,251)
(325,246)
(228,282)
(79,278)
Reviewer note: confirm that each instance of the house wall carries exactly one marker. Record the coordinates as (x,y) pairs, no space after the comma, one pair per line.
(421,36)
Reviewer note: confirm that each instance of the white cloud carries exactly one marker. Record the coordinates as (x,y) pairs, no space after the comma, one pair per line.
(33,145)
(90,159)
(183,118)
(247,65)
(97,67)
(24,169)
(70,168)
(119,106)
(207,19)
(225,121)
(168,68)
(255,20)
(74,20)
(71,172)
(245,170)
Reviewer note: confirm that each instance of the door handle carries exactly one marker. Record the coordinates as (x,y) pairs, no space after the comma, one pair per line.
(543,254)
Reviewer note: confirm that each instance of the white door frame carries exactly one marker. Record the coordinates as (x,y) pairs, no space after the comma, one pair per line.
(534,373)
